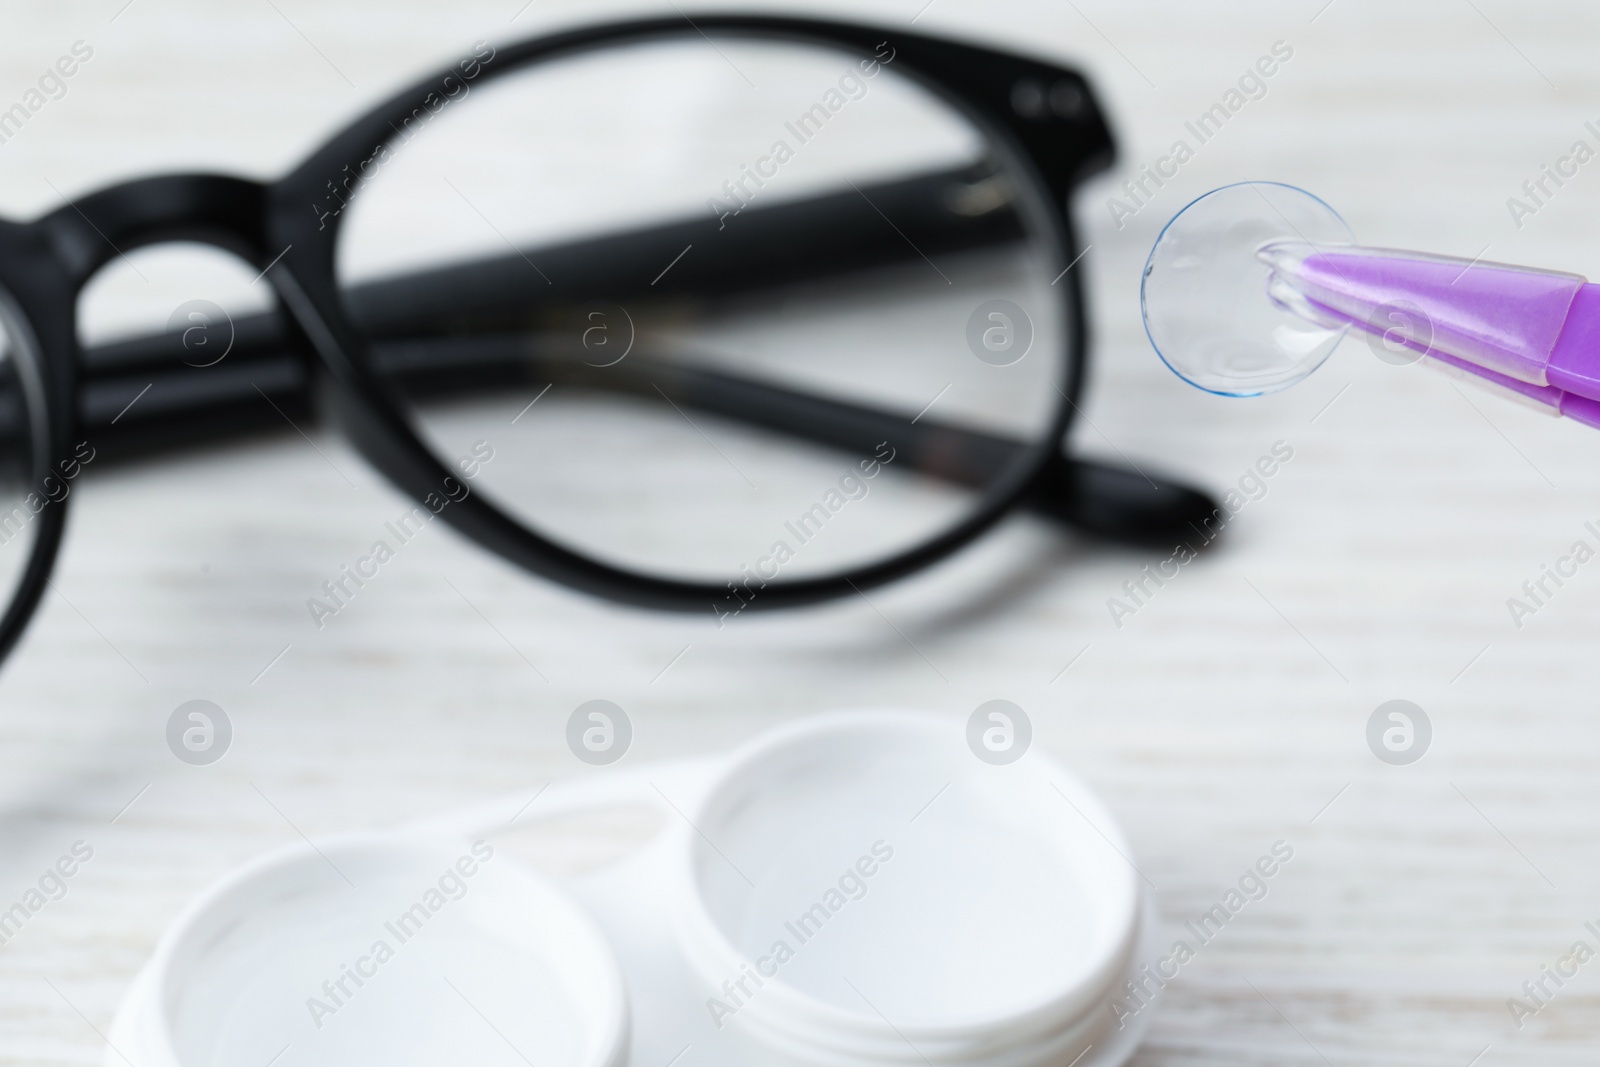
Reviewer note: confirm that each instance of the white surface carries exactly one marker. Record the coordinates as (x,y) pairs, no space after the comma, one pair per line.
(1415,904)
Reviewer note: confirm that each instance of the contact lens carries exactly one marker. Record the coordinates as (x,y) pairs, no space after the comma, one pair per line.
(1214,308)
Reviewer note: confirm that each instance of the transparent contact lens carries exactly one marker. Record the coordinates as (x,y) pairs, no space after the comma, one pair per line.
(1214,308)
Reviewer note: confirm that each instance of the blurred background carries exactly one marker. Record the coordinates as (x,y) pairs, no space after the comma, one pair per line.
(1227,712)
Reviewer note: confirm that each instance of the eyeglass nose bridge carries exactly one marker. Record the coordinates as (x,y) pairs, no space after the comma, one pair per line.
(227,212)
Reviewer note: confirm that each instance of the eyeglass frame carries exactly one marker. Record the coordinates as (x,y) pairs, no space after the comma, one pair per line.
(45,264)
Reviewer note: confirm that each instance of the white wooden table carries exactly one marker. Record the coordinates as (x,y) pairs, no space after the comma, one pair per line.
(1226,714)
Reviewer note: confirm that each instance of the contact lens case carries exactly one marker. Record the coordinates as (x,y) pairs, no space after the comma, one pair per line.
(854,889)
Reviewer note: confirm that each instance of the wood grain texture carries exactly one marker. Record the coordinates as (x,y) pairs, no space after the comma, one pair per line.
(1225,715)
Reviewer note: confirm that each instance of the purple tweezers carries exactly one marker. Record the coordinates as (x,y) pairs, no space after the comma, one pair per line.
(1533,332)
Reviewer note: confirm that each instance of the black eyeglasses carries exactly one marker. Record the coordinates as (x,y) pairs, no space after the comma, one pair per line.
(705,314)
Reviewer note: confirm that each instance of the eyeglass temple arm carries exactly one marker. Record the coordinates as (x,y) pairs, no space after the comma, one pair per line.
(1106,500)
(1110,501)
(765,245)
(949,211)
(1114,502)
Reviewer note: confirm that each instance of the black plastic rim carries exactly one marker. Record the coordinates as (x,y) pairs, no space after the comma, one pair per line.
(277,227)
(979,82)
